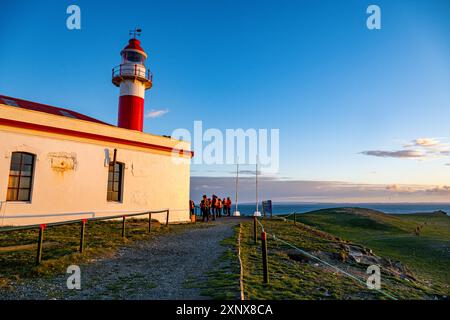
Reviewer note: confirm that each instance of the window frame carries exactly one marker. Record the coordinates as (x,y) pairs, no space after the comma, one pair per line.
(129,55)
(120,182)
(19,176)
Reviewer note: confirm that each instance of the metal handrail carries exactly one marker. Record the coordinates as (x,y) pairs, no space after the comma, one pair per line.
(51,224)
(135,70)
(83,222)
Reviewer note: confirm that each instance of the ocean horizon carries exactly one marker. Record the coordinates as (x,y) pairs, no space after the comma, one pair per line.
(392,208)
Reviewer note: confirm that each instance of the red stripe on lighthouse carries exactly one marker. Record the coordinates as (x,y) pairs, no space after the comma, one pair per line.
(131,112)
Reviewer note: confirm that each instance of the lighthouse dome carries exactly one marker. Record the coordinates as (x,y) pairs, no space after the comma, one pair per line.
(133,52)
(134,44)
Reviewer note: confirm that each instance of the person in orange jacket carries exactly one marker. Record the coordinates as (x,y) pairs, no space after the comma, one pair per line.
(228,206)
(219,205)
(204,209)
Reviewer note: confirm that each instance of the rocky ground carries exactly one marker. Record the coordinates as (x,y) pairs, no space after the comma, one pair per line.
(156,269)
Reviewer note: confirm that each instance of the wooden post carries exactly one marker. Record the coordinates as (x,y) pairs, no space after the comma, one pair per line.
(83,226)
(264,257)
(149,222)
(295,218)
(255,228)
(167,219)
(123,227)
(40,242)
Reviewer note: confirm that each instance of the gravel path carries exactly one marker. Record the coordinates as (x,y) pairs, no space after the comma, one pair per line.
(156,269)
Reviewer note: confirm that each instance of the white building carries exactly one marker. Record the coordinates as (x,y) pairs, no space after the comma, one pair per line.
(57,164)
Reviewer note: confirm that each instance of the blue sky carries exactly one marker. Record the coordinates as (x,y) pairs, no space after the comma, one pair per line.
(309,68)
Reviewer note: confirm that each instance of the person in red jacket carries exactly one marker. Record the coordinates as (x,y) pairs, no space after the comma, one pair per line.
(219,206)
(228,206)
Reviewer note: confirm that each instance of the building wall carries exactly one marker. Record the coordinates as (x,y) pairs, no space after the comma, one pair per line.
(70,180)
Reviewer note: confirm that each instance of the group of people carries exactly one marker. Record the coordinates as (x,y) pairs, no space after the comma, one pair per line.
(213,207)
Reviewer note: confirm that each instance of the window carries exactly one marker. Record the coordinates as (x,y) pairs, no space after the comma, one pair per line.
(115,182)
(67,114)
(136,57)
(20,177)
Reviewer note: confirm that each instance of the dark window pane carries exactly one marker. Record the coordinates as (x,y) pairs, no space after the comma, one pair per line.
(15,166)
(13,182)
(26,170)
(11,195)
(20,177)
(25,182)
(27,159)
(24,195)
(16,157)
(115,182)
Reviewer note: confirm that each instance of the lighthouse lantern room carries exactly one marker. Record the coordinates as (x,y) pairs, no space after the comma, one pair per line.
(133,78)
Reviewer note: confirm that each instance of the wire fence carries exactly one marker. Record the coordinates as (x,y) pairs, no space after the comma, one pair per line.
(264,234)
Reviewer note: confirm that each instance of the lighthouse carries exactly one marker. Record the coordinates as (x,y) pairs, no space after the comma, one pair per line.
(133,78)
(112,170)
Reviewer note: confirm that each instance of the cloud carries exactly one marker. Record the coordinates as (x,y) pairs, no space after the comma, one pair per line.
(395,154)
(393,187)
(316,191)
(444,190)
(426,142)
(153,113)
(246,172)
(417,149)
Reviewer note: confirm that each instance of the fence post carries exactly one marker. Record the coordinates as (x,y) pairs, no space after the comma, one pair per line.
(149,222)
(83,226)
(255,227)
(123,227)
(167,219)
(40,242)
(295,218)
(264,257)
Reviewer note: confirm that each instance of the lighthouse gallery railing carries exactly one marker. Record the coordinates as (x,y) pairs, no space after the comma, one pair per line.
(132,70)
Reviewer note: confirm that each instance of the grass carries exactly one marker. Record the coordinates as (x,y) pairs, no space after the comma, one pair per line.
(300,280)
(324,233)
(102,239)
(427,253)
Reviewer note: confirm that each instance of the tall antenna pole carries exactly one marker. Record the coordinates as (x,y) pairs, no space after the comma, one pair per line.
(257,213)
(237,179)
(256,174)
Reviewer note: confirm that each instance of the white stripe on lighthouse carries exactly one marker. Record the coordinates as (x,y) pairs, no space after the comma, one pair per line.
(132,88)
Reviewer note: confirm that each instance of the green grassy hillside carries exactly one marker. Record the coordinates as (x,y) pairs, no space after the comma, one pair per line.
(419,241)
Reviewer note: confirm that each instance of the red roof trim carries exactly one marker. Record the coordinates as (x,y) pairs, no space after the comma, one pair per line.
(29,105)
(93,136)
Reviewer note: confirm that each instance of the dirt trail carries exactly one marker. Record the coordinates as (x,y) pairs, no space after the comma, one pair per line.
(154,269)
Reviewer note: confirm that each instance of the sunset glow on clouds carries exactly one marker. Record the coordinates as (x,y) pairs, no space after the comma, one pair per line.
(282,190)
(420,148)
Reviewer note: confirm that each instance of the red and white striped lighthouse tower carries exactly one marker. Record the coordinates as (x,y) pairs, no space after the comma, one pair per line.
(133,79)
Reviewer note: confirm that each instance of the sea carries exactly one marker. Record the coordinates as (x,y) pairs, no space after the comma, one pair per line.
(391,208)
